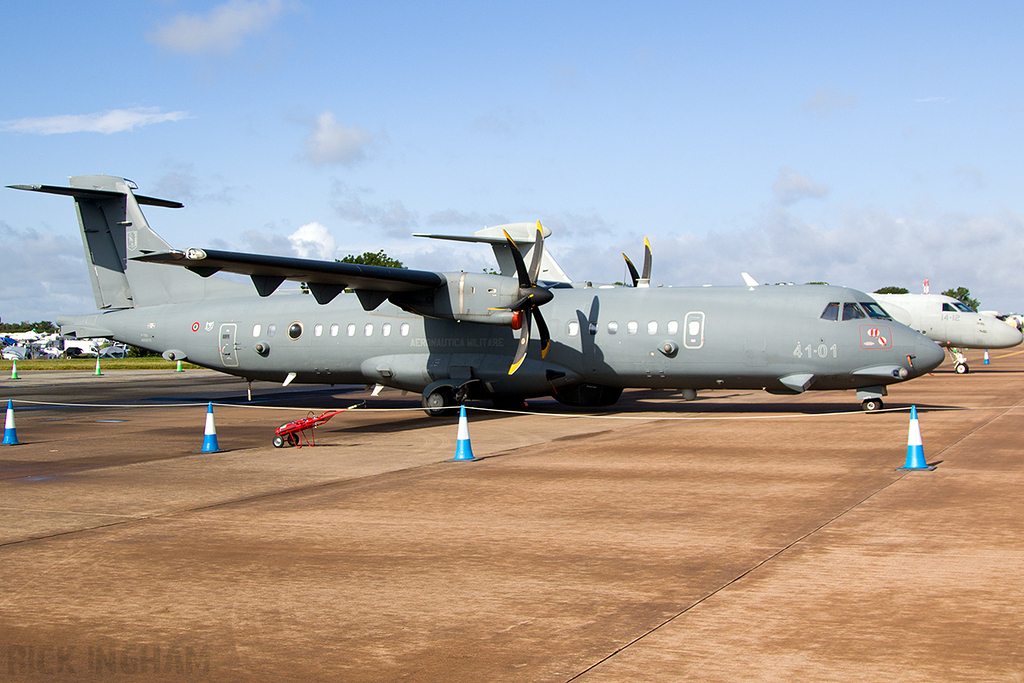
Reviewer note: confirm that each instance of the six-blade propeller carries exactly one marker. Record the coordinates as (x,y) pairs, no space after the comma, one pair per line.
(531,297)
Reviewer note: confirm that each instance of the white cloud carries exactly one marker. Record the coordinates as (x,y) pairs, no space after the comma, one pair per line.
(826,101)
(866,249)
(790,186)
(107,122)
(219,31)
(181,184)
(971,177)
(391,216)
(44,276)
(313,240)
(334,143)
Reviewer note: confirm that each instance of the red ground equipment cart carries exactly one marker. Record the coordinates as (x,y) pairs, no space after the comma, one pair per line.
(295,433)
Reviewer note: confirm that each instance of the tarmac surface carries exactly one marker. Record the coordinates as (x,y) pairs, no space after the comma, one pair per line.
(741,536)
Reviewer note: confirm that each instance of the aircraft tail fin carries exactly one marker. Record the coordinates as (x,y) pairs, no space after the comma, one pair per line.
(113,231)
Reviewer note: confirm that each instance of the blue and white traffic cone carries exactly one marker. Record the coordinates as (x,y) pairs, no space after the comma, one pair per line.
(210,435)
(463,449)
(986,357)
(915,449)
(10,433)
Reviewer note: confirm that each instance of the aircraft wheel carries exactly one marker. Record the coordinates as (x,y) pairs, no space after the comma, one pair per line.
(278,441)
(962,369)
(439,402)
(870,405)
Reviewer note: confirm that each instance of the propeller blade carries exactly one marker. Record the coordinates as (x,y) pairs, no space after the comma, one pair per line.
(524,341)
(647,260)
(635,276)
(538,251)
(545,336)
(524,275)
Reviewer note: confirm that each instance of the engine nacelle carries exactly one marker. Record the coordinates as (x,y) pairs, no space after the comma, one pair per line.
(465,296)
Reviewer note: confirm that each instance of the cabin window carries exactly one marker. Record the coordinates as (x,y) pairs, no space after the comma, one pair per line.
(295,330)
(613,327)
(673,327)
(350,330)
(874,310)
(831,311)
(404,329)
(368,329)
(652,327)
(256,330)
(852,312)
(573,328)
(334,330)
(271,330)
(318,330)
(632,326)
(385,329)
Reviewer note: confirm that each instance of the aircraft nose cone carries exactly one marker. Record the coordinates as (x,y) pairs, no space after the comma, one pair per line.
(928,356)
(1006,336)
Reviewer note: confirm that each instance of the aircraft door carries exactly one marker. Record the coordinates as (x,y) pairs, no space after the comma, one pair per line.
(693,330)
(228,348)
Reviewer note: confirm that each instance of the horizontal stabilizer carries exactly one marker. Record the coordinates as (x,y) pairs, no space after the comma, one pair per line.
(325,278)
(521,233)
(88,193)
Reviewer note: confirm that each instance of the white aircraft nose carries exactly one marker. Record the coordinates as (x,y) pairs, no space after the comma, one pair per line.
(1005,335)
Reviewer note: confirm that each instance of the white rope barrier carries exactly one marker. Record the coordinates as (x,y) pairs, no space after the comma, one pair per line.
(357,408)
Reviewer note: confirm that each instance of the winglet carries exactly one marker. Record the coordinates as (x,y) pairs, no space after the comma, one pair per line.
(751,282)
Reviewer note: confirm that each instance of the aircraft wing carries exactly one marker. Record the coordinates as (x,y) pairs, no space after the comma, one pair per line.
(326,279)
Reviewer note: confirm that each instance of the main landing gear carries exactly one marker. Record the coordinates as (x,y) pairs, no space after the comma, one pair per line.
(870,405)
(439,402)
(871,398)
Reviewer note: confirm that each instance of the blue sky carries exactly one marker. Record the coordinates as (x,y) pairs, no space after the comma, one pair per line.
(864,145)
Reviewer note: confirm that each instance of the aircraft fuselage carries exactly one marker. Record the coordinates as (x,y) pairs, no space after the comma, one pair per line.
(770,338)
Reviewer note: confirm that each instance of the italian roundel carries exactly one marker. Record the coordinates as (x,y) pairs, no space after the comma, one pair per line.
(875,337)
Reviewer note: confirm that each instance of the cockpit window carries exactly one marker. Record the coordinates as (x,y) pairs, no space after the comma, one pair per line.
(964,307)
(947,307)
(874,310)
(831,311)
(852,311)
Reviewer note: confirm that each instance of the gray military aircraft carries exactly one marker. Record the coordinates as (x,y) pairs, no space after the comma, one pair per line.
(453,336)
